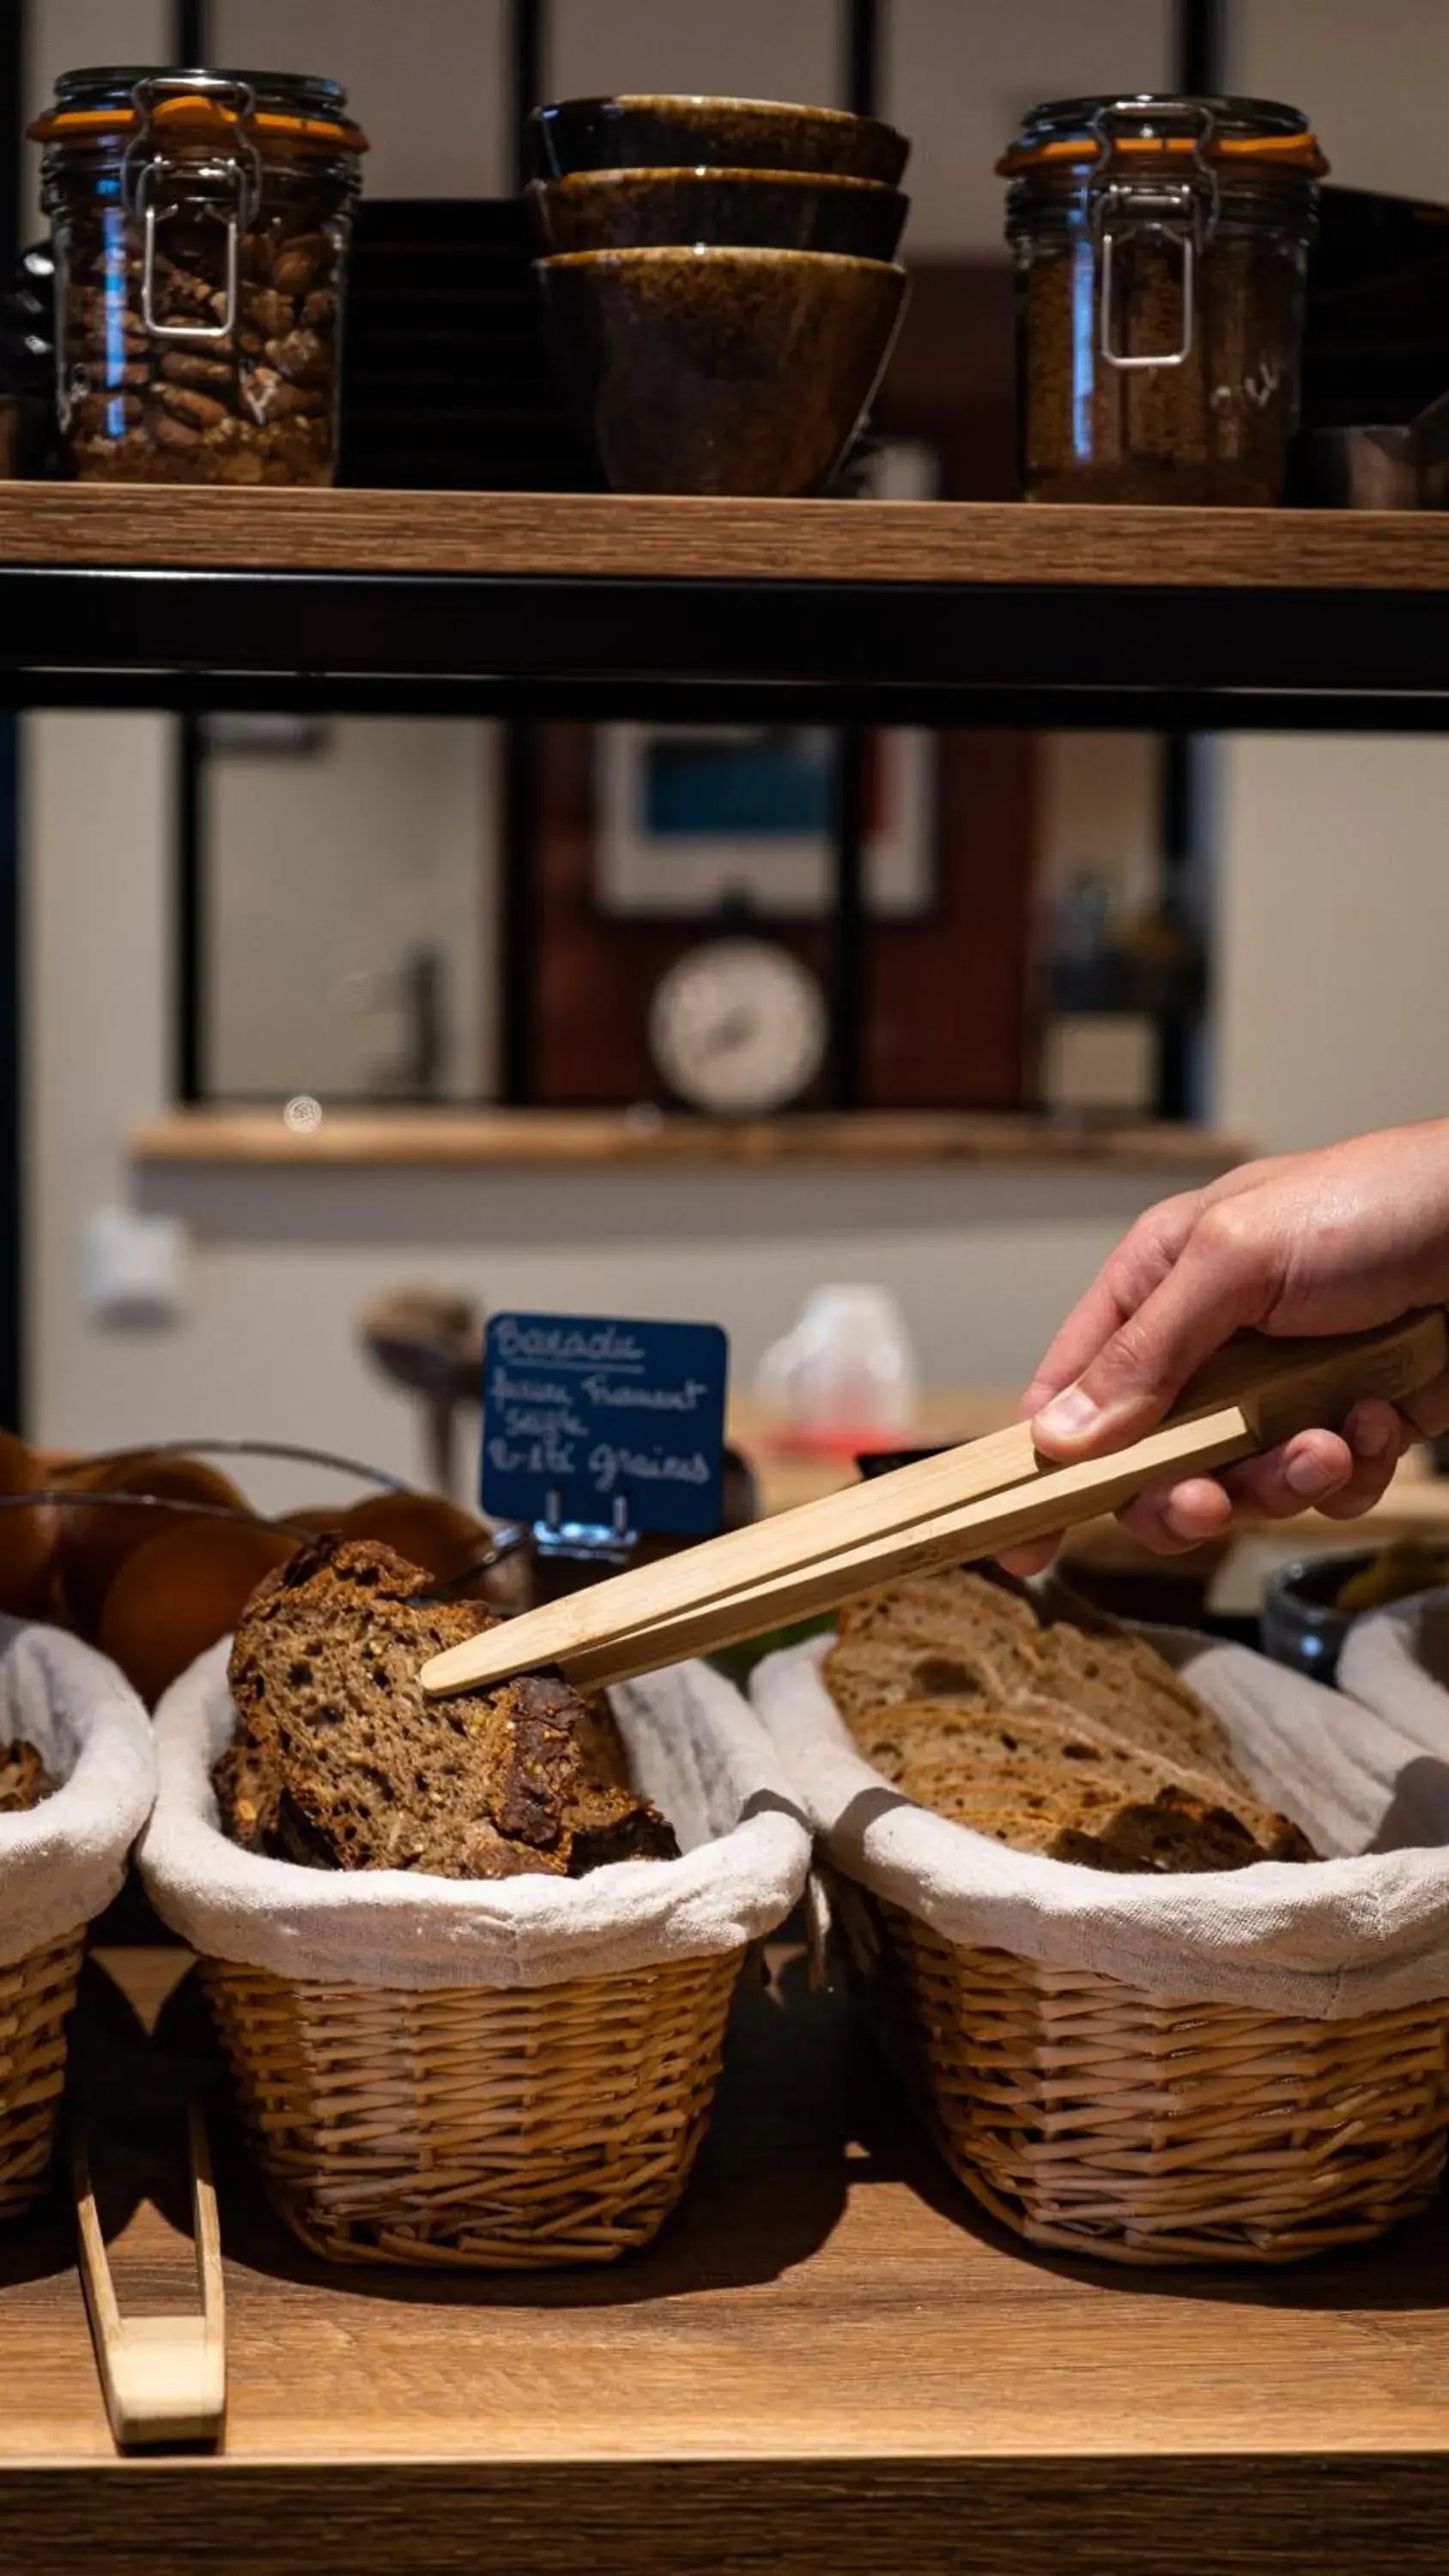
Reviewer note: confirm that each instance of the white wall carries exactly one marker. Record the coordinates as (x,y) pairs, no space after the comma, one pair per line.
(1333,931)
(1371,79)
(325,870)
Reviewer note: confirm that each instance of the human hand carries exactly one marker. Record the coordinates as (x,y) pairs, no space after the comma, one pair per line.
(1333,1241)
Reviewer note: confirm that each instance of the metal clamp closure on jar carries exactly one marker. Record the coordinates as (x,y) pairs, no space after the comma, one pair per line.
(226,181)
(1184,211)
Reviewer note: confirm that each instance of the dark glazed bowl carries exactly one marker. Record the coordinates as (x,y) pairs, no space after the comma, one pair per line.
(728,209)
(722,371)
(642,132)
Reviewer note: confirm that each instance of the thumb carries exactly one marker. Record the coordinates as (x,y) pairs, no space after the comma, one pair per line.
(1218,1285)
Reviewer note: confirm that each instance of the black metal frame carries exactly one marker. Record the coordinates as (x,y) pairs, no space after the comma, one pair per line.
(891,652)
(190,49)
(1200,71)
(520,746)
(850,940)
(12,1049)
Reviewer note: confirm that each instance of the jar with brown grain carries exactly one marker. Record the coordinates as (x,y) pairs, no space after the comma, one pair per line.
(201,223)
(1161,247)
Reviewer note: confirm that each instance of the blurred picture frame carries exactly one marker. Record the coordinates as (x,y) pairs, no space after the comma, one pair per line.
(689,819)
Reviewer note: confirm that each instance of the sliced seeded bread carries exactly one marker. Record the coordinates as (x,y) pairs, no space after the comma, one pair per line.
(1049,1738)
(961,1638)
(248,1794)
(1045,1753)
(1126,1683)
(864,1674)
(1178,1832)
(941,1608)
(23,1779)
(340,1760)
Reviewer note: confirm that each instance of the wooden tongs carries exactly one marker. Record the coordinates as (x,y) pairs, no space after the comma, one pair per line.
(968,1502)
(164,2376)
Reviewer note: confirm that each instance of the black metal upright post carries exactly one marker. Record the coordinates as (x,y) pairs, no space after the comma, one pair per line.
(190,50)
(189,938)
(1200,47)
(191,38)
(12,996)
(518,790)
(1199,57)
(849,981)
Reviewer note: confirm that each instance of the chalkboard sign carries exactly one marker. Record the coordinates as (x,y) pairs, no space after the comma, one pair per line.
(605,1422)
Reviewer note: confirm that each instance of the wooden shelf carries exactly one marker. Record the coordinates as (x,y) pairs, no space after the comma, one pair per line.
(455,1138)
(591,536)
(830,2361)
(607,606)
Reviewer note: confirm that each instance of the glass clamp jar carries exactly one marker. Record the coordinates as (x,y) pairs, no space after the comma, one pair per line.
(1161,247)
(201,223)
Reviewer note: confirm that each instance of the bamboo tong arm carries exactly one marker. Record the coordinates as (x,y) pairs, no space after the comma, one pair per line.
(164,2377)
(951,1538)
(968,1502)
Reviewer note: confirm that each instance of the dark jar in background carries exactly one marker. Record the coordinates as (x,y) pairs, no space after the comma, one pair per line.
(1161,247)
(201,223)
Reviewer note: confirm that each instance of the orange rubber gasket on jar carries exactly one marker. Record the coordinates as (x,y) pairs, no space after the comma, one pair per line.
(1297,151)
(77,122)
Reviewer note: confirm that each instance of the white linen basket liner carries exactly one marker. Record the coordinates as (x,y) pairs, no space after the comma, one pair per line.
(1396,1661)
(1360,1931)
(695,1748)
(63,1861)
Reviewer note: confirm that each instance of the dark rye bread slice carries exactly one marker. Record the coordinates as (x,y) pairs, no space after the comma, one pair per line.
(324,1671)
(248,1794)
(596,1733)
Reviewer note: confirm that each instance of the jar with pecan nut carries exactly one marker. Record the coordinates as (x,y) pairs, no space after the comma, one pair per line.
(1161,247)
(201,223)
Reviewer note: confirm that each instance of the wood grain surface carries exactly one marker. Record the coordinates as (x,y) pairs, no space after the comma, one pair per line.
(462,1137)
(829,2361)
(566,534)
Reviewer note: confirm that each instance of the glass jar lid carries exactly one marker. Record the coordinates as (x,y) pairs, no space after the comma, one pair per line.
(1154,128)
(99,105)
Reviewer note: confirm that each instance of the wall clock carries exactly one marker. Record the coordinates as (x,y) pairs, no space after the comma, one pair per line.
(738,1028)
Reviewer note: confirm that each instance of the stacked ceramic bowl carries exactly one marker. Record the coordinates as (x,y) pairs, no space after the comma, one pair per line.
(720,283)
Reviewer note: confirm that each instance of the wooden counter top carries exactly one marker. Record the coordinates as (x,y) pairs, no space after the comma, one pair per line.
(830,2361)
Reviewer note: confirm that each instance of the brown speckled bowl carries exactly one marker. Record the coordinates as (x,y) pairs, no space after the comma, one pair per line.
(729,209)
(641,132)
(702,370)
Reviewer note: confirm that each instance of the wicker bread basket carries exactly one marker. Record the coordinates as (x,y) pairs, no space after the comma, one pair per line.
(501,2131)
(1131,2117)
(1091,2117)
(62,1861)
(36,1994)
(497,2075)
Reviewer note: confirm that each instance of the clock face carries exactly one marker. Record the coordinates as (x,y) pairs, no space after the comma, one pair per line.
(738,1027)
